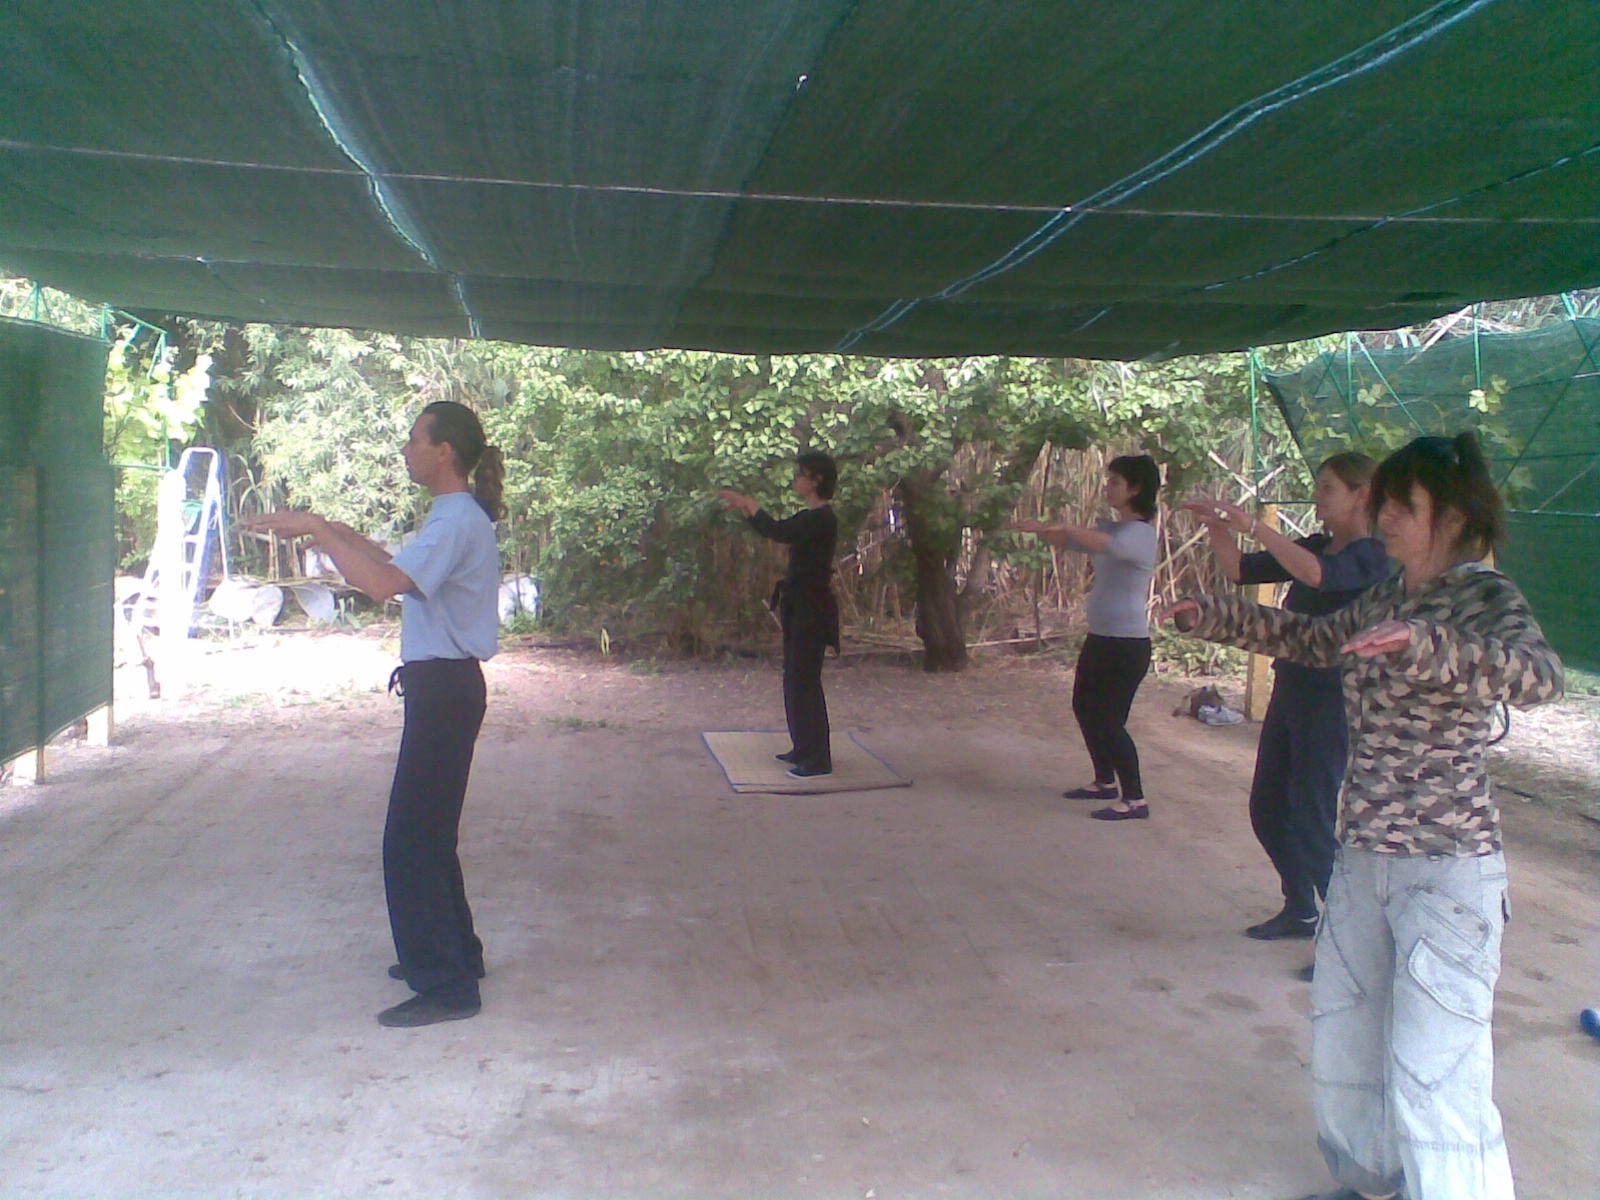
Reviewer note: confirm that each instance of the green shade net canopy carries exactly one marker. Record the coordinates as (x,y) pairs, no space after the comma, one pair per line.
(1534,400)
(915,178)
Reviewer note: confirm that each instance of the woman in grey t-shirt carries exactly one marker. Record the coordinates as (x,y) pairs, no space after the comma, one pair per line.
(1116,654)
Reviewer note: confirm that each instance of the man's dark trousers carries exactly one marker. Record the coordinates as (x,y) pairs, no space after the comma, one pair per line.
(439,952)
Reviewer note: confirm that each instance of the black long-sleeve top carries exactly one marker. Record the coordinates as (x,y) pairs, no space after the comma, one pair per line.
(812,535)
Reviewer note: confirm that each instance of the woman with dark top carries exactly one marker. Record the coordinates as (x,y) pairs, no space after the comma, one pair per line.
(1294,796)
(448,580)
(1116,654)
(805,604)
(1408,948)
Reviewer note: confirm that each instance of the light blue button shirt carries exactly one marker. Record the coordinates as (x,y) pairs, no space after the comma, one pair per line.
(455,564)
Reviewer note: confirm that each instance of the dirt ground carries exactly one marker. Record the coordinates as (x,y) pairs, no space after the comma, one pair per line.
(964,988)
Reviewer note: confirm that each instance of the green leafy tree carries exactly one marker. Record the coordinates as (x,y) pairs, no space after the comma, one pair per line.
(333,408)
(935,456)
(613,459)
(152,410)
(628,450)
(911,429)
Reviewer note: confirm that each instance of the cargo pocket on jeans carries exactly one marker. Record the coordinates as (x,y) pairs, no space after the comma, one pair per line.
(1443,1017)
(1447,913)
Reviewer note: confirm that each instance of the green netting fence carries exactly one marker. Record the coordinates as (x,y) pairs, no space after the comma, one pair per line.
(57,550)
(1534,400)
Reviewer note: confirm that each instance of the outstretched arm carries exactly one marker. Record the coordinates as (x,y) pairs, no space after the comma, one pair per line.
(1234,621)
(1223,520)
(738,502)
(364,564)
(359,543)
(1065,535)
(1224,546)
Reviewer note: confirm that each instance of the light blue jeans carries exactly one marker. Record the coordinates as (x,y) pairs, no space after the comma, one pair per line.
(1402,1061)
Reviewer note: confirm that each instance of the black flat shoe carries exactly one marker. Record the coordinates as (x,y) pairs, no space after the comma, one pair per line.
(787,756)
(427,1010)
(808,770)
(1282,926)
(1137,810)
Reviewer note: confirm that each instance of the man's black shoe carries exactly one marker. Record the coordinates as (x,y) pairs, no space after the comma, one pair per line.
(427,1010)
(787,756)
(1284,925)
(807,770)
(396,973)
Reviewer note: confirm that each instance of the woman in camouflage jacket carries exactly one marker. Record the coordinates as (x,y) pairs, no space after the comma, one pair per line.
(1408,949)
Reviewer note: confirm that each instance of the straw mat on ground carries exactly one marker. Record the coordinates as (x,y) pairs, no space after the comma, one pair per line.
(746,758)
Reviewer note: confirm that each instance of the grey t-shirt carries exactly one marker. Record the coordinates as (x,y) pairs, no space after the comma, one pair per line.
(1119,601)
(455,564)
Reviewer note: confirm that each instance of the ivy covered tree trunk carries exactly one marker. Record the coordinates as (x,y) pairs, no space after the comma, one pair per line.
(939,617)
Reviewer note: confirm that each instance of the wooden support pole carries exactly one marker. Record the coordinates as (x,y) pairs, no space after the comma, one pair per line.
(29,766)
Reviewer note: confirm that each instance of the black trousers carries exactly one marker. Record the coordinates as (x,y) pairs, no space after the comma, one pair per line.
(804,705)
(1108,675)
(1294,796)
(428,913)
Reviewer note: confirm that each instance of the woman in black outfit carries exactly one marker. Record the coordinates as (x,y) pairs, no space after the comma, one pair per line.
(805,604)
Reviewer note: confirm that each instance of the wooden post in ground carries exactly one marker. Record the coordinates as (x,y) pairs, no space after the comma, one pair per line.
(1258,673)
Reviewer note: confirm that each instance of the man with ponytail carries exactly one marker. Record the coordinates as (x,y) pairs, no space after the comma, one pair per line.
(447,579)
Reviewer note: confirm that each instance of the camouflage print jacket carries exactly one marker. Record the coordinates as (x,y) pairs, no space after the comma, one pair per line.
(1416,782)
